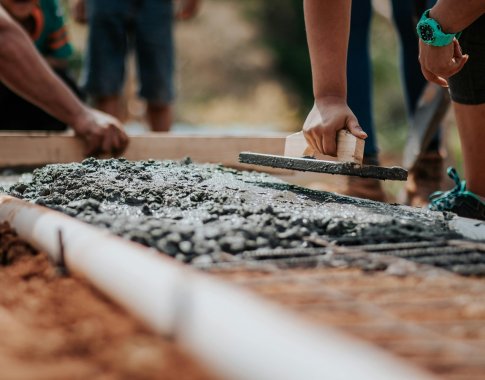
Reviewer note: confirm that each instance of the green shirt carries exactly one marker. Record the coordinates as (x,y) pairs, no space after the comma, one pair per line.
(49,32)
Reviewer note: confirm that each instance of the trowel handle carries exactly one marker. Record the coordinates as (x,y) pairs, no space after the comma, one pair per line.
(349,148)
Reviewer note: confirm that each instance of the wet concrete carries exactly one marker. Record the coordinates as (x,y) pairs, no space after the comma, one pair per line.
(328,167)
(205,213)
(9,177)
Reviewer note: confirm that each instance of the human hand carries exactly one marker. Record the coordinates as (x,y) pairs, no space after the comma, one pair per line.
(440,63)
(79,11)
(327,117)
(101,133)
(187,9)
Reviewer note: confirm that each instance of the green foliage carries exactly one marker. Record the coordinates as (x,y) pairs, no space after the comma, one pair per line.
(284,29)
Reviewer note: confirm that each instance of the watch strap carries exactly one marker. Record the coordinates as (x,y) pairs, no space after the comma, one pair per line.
(439,38)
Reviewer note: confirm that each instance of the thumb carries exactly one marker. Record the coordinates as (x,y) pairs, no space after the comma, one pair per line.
(457,53)
(458,64)
(354,127)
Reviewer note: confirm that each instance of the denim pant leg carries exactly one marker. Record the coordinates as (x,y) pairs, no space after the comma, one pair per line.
(154,47)
(413,80)
(359,72)
(107,48)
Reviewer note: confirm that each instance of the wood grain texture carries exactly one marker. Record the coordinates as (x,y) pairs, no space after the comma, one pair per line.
(34,149)
(349,148)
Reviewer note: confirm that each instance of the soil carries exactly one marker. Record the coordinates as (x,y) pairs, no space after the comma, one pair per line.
(199,213)
(56,327)
(430,318)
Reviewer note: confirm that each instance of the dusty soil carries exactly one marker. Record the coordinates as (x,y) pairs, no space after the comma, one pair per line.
(431,318)
(201,213)
(56,327)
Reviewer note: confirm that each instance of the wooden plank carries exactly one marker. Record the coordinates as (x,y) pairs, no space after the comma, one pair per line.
(349,148)
(35,149)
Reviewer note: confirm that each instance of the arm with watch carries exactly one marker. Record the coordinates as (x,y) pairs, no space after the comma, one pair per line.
(440,53)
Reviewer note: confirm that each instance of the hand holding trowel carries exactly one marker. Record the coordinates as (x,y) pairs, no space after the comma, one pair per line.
(299,155)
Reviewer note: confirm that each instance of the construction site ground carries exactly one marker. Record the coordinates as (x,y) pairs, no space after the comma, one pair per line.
(57,327)
(395,277)
(431,318)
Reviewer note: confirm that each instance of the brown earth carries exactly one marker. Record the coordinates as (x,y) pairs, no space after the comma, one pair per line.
(430,318)
(55,327)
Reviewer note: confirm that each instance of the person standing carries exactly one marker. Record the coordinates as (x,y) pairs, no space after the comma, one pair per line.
(452,54)
(442,62)
(145,26)
(426,176)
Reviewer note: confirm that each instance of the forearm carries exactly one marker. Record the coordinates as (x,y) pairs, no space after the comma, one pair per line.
(26,72)
(328,24)
(456,15)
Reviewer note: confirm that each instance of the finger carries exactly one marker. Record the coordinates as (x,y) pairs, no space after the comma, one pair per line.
(460,64)
(329,142)
(317,137)
(107,143)
(115,142)
(457,53)
(125,141)
(434,78)
(454,66)
(91,144)
(119,142)
(354,127)
(309,140)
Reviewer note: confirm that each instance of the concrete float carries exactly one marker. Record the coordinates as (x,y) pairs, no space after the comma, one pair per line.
(235,333)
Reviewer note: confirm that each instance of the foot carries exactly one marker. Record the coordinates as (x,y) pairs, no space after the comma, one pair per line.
(424,179)
(458,200)
(366,188)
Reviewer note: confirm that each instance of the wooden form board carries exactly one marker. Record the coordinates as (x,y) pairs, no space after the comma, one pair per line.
(36,149)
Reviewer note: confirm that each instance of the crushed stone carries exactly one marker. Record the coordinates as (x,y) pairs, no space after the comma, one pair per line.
(203,212)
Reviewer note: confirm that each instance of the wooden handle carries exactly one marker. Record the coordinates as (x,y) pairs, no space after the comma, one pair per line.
(349,148)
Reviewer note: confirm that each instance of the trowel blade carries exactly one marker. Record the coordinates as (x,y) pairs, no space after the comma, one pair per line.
(321,166)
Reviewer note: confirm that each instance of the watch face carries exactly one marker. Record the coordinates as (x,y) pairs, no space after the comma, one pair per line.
(427,33)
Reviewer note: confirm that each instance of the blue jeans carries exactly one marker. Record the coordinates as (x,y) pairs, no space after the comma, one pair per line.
(116,27)
(359,69)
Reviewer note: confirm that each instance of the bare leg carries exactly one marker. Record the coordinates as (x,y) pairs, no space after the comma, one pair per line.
(109,104)
(159,117)
(471,126)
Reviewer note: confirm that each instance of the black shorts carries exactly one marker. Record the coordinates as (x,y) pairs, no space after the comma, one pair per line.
(18,114)
(468,86)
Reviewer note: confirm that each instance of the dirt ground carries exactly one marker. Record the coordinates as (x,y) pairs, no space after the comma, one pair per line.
(430,318)
(56,327)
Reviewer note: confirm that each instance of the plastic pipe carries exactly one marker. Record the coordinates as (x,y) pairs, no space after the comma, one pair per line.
(238,335)
(470,228)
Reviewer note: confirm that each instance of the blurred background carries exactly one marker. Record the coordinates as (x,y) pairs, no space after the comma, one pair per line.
(243,67)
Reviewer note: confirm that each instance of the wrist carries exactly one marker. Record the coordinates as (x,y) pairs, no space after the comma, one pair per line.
(440,15)
(81,119)
(432,33)
(331,99)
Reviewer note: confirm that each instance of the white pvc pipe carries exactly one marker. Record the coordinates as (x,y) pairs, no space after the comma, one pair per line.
(238,335)
(470,228)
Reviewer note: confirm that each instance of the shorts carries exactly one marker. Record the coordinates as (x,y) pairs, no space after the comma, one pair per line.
(19,114)
(468,86)
(116,28)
